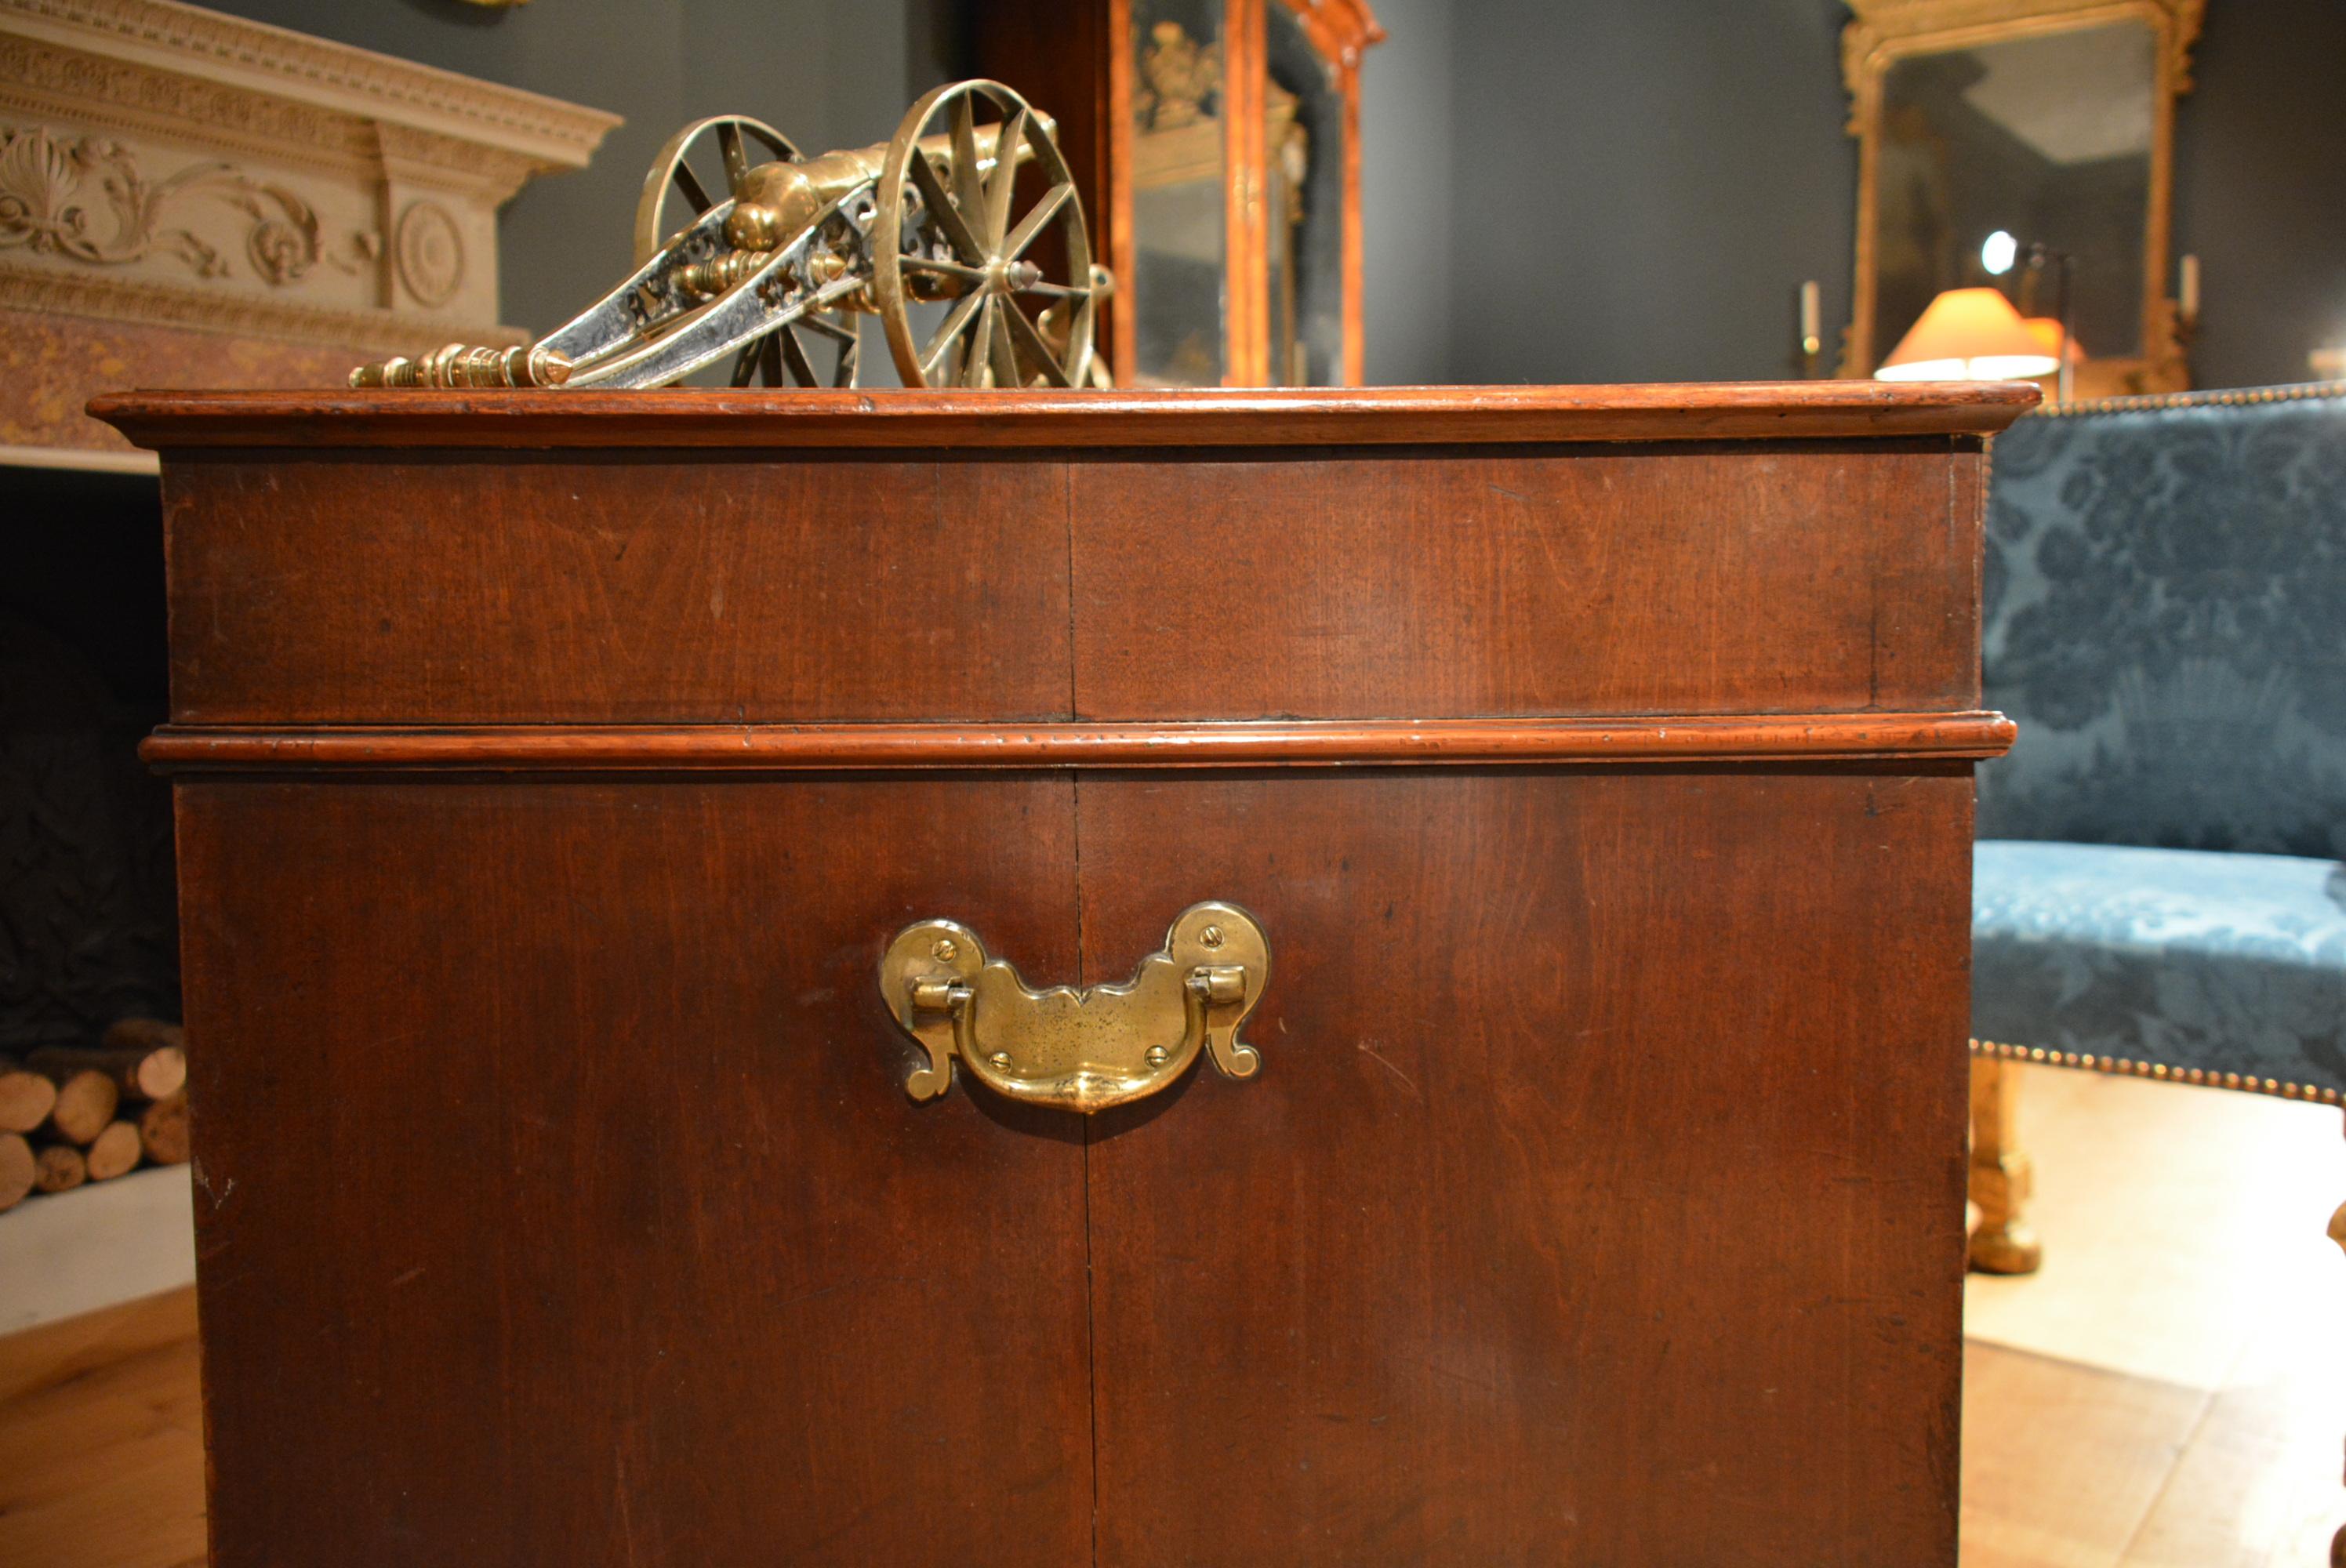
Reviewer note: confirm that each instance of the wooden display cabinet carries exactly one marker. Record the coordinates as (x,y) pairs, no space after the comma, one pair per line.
(1218,145)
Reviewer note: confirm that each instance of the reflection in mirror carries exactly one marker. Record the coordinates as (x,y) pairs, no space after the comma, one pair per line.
(2046,137)
(1303,134)
(2050,122)
(1179,249)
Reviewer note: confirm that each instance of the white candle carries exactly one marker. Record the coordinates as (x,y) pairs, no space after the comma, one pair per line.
(2187,292)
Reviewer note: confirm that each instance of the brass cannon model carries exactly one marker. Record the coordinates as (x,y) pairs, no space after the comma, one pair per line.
(962,234)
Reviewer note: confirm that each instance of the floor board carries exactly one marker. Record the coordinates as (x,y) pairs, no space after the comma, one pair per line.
(101,1440)
(2170,1392)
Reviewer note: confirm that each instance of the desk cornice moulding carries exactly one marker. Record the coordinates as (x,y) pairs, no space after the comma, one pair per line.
(751,420)
(1790,738)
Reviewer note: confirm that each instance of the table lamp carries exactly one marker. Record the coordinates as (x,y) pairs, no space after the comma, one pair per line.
(1968,335)
(2046,331)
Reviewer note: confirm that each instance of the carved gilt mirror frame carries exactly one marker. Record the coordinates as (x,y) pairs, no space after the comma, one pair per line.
(1882,34)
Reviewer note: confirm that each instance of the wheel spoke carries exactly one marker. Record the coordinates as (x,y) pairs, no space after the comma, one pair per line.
(1005,354)
(769,360)
(1079,335)
(1007,138)
(689,184)
(949,268)
(969,185)
(794,355)
(821,323)
(943,211)
(737,160)
(1026,338)
(955,320)
(1049,290)
(745,364)
(1031,226)
(844,376)
(978,351)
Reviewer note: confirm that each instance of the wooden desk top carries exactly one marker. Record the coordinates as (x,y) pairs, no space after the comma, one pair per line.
(700,418)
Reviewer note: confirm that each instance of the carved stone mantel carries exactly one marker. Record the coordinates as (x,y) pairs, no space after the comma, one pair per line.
(187,198)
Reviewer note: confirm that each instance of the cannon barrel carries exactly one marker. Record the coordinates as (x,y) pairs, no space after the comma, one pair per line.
(778,200)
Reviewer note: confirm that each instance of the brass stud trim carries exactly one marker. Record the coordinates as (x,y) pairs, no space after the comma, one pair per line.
(2196,1076)
(2235,397)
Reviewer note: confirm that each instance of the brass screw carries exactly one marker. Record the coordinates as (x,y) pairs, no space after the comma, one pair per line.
(1001,1059)
(945,951)
(1211,936)
(1156,1054)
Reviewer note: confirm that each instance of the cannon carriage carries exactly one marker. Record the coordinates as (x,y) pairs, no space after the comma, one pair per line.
(969,210)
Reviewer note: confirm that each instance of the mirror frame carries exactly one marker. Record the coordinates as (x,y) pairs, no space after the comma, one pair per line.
(1882,32)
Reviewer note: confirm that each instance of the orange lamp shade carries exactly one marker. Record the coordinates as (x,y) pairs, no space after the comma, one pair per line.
(1969,335)
(2047,333)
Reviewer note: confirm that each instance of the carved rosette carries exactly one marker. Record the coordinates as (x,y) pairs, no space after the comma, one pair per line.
(430,252)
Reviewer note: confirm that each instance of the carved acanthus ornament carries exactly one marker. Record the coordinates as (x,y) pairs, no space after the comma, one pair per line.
(86,199)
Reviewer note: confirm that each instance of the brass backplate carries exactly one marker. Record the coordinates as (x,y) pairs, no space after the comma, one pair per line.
(1080,1049)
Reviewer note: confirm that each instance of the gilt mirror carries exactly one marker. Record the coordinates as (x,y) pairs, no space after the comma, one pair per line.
(2047,122)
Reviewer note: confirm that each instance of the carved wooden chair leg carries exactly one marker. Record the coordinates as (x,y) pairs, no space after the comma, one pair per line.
(2000,1175)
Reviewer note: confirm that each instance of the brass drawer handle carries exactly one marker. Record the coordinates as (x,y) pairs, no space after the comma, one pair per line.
(1078,1049)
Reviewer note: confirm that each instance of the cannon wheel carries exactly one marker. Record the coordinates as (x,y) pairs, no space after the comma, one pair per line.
(675,192)
(963,234)
(683,184)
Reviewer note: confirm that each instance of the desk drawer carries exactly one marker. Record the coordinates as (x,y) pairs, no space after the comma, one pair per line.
(650,588)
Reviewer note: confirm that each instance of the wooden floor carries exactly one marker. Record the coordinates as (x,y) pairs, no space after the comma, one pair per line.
(2169,1393)
(101,1441)
(2170,1390)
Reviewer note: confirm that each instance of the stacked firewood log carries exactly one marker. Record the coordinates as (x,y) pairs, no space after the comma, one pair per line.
(70,1115)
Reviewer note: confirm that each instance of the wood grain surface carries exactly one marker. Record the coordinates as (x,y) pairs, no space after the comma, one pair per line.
(311,592)
(1602,579)
(612,1235)
(1600,1196)
(1306,584)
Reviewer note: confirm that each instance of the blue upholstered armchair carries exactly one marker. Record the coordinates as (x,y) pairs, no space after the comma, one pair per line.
(2158,888)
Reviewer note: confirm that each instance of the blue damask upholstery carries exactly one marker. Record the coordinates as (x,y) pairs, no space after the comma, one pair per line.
(2166,618)
(2228,963)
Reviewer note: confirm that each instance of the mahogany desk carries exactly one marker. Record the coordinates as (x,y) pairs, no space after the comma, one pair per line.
(554,770)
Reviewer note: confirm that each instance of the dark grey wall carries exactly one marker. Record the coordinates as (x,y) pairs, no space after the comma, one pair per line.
(1410,104)
(1635,191)
(1553,190)
(2260,188)
(824,74)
